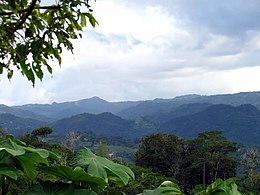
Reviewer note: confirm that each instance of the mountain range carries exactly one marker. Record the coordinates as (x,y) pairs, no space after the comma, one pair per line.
(237,115)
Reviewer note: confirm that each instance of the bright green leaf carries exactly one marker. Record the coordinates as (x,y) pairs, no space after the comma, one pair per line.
(102,167)
(75,175)
(29,161)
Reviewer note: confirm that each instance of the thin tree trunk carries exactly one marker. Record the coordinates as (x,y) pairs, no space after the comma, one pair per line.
(216,172)
(204,174)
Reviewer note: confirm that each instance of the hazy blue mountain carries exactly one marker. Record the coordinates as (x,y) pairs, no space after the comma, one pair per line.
(105,124)
(164,106)
(184,115)
(182,110)
(94,105)
(132,109)
(22,113)
(17,125)
(241,124)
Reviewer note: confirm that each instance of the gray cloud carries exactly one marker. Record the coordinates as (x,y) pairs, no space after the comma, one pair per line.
(148,49)
(229,17)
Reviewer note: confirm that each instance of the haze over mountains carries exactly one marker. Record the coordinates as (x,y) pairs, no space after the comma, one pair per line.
(237,114)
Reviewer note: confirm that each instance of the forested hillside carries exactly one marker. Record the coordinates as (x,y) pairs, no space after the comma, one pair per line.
(185,116)
(236,122)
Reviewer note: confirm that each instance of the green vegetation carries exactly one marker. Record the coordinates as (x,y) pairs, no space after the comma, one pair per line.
(35,166)
(208,157)
(41,170)
(162,153)
(198,162)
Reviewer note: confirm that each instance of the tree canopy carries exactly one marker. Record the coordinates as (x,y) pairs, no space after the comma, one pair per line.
(32,33)
(201,160)
(161,152)
(42,131)
(207,158)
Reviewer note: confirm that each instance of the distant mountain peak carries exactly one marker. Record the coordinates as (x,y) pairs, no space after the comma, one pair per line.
(92,99)
(95,98)
(189,96)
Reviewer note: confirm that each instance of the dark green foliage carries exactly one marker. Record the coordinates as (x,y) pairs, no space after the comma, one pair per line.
(144,179)
(66,155)
(250,179)
(58,188)
(207,158)
(120,148)
(89,174)
(17,160)
(42,131)
(162,153)
(3,133)
(250,183)
(198,161)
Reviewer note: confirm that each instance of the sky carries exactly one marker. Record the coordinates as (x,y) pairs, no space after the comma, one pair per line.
(153,49)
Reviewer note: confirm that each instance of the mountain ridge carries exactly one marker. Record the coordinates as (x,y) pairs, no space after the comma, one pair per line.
(184,115)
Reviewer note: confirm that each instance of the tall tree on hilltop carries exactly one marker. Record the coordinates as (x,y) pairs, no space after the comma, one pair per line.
(207,158)
(162,153)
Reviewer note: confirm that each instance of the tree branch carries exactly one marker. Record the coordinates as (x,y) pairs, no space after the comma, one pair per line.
(25,16)
(27,9)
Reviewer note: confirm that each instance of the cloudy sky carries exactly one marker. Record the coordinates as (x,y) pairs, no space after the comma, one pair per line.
(154,49)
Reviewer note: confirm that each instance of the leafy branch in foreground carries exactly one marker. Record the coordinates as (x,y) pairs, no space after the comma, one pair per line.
(90,174)
(32,34)
(19,160)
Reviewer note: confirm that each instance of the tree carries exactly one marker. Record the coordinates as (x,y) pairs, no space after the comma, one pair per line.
(207,158)
(72,138)
(42,131)
(102,149)
(251,160)
(32,34)
(162,153)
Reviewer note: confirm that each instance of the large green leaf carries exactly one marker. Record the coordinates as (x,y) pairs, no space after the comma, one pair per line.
(42,152)
(220,187)
(10,171)
(29,162)
(11,147)
(166,188)
(74,175)
(104,168)
(16,154)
